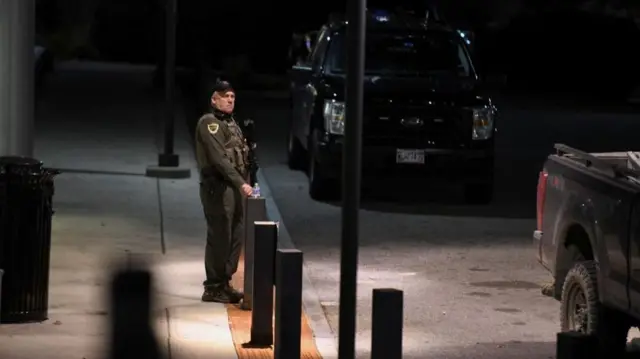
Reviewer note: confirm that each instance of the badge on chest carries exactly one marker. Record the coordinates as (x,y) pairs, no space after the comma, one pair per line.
(213,128)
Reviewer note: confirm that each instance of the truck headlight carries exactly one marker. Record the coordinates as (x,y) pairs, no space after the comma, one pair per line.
(483,119)
(334,117)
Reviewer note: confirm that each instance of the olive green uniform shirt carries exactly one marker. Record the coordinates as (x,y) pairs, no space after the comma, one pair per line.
(221,150)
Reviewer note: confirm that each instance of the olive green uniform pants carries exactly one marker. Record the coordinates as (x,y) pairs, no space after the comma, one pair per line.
(224,211)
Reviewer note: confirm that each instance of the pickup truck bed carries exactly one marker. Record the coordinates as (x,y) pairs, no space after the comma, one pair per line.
(618,162)
(588,237)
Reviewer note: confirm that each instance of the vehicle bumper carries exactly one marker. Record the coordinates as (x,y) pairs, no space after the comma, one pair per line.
(466,165)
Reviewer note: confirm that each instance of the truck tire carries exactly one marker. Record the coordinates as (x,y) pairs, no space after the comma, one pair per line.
(296,154)
(321,187)
(581,311)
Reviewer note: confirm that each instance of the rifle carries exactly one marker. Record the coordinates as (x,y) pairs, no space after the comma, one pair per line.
(248,128)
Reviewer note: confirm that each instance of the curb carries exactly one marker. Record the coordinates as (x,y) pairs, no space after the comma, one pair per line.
(325,338)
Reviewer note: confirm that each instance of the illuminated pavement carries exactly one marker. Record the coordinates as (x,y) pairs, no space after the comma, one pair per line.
(102,134)
(470,278)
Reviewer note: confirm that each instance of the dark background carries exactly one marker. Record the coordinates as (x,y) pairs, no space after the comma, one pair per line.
(571,47)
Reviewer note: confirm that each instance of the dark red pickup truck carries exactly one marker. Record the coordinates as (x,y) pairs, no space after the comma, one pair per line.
(588,237)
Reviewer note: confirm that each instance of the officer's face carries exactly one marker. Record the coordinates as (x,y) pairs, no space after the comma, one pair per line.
(224,101)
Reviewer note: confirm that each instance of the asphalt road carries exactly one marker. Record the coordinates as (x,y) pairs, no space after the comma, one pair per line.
(470,279)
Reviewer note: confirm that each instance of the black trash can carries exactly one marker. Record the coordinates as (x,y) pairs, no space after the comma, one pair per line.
(26,192)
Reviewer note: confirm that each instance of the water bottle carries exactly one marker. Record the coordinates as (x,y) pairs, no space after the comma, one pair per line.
(256,191)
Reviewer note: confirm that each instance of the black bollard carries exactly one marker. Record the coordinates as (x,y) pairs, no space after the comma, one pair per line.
(255,210)
(386,327)
(576,345)
(132,333)
(1,273)
(266,239)
(288,304)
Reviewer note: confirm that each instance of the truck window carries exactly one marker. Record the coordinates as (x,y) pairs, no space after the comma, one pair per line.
(428,54)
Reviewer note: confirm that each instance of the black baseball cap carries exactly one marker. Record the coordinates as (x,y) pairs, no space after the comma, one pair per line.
(222,86)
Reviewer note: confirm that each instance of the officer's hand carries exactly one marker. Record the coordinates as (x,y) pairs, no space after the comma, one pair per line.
(246,190)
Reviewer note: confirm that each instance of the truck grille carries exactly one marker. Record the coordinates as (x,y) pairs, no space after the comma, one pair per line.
(415,125)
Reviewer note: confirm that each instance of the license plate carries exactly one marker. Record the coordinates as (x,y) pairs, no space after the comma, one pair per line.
(410,156)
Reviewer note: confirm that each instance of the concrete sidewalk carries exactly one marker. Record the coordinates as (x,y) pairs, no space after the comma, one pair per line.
(102,128)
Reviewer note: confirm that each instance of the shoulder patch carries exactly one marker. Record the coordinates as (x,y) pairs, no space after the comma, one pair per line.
(213,128)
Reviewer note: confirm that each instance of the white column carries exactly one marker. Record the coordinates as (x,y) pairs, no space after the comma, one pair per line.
(17,81)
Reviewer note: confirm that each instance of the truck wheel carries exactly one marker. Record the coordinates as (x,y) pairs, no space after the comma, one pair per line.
(321,188)
(296,156)
(481,193)
(581,311)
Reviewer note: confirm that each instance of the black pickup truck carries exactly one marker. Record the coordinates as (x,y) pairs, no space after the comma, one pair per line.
(588,237)
(426,116)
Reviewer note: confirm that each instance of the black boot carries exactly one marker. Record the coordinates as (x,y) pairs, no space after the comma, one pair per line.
(233,293)
(217,294)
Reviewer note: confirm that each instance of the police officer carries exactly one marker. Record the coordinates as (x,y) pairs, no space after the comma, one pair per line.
(222,155)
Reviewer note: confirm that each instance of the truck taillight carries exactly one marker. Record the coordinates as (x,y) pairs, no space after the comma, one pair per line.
(542,191)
